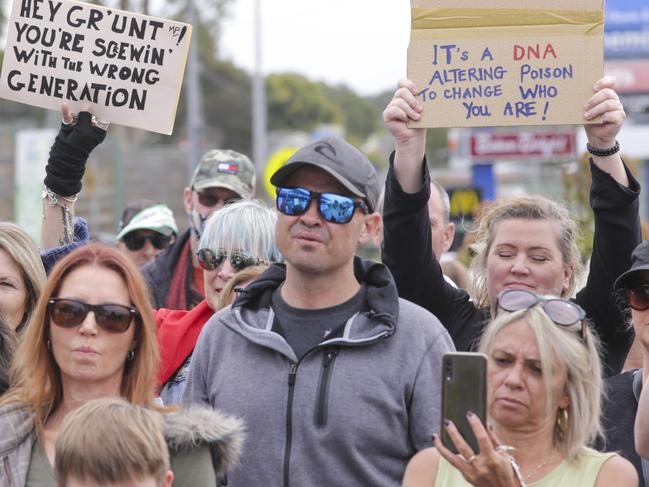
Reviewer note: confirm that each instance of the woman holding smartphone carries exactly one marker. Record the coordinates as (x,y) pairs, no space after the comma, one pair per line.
(543,402)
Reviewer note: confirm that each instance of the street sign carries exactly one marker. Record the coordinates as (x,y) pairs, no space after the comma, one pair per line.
(544,146)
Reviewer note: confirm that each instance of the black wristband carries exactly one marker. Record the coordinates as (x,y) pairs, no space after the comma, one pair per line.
(603,152)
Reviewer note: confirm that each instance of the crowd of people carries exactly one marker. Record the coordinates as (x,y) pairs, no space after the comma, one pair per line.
(257,348)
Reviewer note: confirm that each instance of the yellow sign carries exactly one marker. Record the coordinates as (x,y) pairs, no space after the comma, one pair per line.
(277,160)
(464,202)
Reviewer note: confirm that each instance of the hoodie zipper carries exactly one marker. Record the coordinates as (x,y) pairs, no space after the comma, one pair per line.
(323,389)
(292,371)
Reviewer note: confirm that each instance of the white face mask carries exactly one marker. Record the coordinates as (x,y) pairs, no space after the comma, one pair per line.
(196,222)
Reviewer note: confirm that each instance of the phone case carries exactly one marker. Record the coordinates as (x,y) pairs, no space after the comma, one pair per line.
(464,389)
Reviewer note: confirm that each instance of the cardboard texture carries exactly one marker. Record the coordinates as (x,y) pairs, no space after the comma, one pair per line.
(505,62)
(128,67)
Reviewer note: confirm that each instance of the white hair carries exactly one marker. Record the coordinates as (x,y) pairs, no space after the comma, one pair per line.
(244,226)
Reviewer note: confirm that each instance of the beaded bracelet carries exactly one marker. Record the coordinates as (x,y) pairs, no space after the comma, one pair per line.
(603,152)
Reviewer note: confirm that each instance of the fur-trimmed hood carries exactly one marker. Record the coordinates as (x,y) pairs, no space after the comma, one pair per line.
(193,426)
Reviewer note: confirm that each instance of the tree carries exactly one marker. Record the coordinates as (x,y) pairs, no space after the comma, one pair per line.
(295,103)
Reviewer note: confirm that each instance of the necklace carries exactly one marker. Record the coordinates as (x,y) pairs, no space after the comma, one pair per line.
(540,465)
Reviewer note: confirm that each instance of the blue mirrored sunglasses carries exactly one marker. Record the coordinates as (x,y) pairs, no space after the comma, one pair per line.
(334,208)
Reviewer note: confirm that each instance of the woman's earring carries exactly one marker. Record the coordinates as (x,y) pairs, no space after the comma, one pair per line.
(48,344)
(130,355)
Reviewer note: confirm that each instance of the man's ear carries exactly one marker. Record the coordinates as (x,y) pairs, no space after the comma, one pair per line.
(371,225)
(449,236)
(168,479)
(187,199)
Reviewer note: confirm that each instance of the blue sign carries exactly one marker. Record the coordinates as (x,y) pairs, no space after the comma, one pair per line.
(626,29)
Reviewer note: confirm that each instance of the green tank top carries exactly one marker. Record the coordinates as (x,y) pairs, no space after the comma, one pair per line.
(582,472)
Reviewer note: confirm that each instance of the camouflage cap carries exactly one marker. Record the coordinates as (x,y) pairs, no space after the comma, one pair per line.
(225,169)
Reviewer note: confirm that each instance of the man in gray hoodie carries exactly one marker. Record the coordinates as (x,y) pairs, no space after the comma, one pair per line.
(336,378)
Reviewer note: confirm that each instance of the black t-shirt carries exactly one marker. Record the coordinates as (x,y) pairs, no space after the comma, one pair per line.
(303,329)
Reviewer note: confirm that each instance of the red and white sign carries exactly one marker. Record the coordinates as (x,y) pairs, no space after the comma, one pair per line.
(523,145)
(630,76)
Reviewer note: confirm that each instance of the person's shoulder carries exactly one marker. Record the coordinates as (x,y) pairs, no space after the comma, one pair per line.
(419,320)
(16,423)
(617,471)
(422,469)
(194,428)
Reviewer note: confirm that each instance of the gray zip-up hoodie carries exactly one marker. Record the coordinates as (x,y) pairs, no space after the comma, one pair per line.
(351,412)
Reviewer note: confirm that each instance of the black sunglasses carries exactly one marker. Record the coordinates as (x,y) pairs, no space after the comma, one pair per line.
(638,296)
(210,259)
(68,313)
(208,199)
(135,241)
(334,208)
(562,312)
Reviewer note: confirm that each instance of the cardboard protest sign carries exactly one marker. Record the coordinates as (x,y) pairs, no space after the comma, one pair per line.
(505,62)
(128,67)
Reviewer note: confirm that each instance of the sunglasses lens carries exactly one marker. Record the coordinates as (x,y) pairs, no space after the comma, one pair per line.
(515,299)
(67,313)
(293,201)
(638,297)
(240,262)
(160,241)
(133,241)
(336,208)
(210,260)
(113,317)
(563,312)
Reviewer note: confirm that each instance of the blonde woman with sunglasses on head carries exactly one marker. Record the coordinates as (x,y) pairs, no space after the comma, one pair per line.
(543,403)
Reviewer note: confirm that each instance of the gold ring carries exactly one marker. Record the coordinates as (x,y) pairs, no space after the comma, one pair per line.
(471,458)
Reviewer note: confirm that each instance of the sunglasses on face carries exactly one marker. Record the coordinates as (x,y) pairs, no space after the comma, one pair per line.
(68,313)
(210,259)
(334,208)
(562,312)
(638,297)
(210,199)
(135,241)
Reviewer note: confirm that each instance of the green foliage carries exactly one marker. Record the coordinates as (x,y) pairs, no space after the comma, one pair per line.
(296,103)
(361,117)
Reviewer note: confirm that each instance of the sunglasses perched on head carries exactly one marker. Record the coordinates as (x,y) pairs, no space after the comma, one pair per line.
(638,296)
(68,313)
(210,259)
(135,241)
(562,312)
(334,208)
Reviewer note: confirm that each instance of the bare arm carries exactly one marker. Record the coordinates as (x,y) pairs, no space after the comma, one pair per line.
(422,469)
(617,471)
(606,103)
(410,143)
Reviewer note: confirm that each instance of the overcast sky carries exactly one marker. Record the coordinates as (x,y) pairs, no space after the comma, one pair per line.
(362,43)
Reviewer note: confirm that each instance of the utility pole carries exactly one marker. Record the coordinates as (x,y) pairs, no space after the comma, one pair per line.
(193,91)
(258,99)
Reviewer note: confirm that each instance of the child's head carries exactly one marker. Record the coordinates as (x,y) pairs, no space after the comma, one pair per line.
(110,442)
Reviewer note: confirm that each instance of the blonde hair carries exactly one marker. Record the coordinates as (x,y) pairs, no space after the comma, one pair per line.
(524,208)
(24,252)
(110,440)
(244,275)
(581,362)
(36,377)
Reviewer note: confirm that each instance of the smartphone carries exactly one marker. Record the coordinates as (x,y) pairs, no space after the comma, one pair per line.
(464,389)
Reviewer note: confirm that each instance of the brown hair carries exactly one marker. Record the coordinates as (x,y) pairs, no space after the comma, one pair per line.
(523,208)
(36,377)
(22,249)
(110,440)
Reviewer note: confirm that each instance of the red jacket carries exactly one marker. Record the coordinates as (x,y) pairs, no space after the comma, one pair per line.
(178,332)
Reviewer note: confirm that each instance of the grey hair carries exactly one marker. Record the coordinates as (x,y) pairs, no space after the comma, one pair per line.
(244,226)
(582,366)
(523,208)
(446,201)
